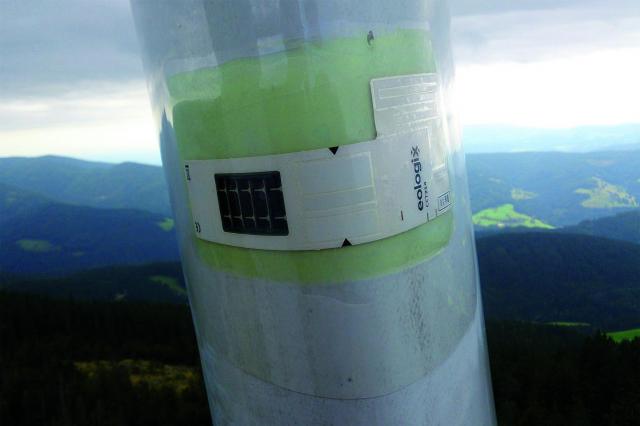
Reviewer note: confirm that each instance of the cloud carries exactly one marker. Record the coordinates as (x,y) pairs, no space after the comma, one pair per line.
(86,103)
(568,29)
(71,79)
(50,46)
(484,7)
(573,64)
(597,88)
(104,121)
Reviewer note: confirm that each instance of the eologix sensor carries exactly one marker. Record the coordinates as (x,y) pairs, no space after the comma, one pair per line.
(320,197)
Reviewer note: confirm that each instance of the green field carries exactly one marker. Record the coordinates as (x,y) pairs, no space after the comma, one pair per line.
(619,336)
(169,282)
(569,324)
(606,195)
(506,216)
(153,374)
(167,224)
(37,246)
(520,194)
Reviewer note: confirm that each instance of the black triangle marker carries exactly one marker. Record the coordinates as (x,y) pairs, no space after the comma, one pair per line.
(346,243)
(334,149)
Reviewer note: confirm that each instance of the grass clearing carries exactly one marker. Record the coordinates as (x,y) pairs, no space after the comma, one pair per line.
(619,336)
(37,246)
(156,375)
(170,282)
(569,324)
(520,194)
(167,224)
(606,195)
(506,216)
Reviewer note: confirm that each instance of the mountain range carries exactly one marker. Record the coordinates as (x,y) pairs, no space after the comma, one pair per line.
(561,278)
(529,189)
(39,236)
(65,223)
(87,183)
(551,189)
(502,138)
(623,227)
(153,282)
(60,215)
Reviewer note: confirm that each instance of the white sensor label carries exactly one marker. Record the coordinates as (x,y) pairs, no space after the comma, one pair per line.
(334,197)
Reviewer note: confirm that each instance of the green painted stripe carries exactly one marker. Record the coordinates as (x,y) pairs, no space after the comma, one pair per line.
(333,265)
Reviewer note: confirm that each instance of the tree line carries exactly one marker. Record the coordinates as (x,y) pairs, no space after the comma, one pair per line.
(106,363)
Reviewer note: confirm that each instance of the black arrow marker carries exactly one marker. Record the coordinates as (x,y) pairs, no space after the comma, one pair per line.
(346,243)
(334,149)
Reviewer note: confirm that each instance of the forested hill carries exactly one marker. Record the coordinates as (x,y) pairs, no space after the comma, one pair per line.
(102,364)
(539,277)
(624,227)
(534,189)
(155,282)
(88,183)
(39,236)
(552,189)
(106,364)
(549,277)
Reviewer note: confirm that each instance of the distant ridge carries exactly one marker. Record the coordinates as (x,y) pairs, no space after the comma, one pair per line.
(88,183)
(558,189)
(541,188)
(582,139)
(556,277)
(623,226)
(155,282)
(42,237)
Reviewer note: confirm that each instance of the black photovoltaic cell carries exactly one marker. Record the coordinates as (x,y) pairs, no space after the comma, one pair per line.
(252,203)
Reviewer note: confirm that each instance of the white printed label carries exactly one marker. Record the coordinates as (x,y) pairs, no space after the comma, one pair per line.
(328,198)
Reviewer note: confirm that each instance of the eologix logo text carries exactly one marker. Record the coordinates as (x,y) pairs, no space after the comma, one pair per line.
(420,185)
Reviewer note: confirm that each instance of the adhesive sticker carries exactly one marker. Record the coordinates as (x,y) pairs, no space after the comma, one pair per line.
(338,196)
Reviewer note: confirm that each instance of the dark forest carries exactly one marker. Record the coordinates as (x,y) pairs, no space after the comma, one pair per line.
(105,363)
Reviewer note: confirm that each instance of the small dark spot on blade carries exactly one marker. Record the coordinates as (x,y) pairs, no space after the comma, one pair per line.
(346,243)
(334,149)
(370,37)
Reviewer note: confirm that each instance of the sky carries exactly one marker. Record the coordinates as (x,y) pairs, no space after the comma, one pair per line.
(71,80)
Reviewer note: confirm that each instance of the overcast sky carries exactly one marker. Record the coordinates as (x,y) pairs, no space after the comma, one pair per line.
(71,80)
